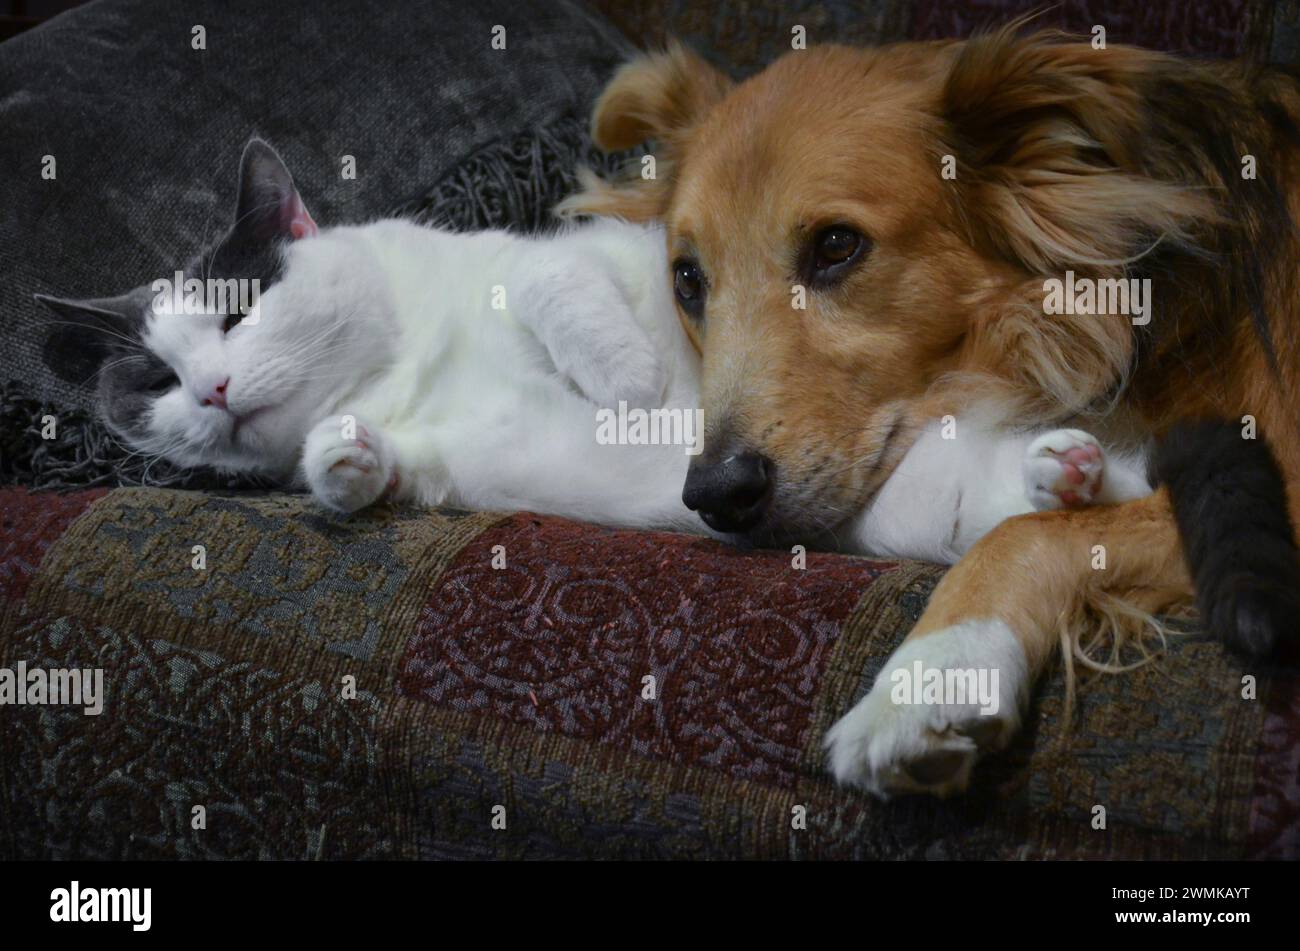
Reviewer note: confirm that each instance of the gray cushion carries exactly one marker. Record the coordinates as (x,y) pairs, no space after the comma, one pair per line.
(146,131)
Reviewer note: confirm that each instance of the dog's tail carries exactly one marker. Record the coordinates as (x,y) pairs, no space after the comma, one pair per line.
(1229,500)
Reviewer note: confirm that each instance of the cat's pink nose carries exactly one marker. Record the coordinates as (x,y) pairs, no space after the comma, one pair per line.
(218,395)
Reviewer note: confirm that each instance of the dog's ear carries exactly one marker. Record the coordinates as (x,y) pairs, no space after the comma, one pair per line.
(658,98)
(1054,167)
(1061,163)
(655,96)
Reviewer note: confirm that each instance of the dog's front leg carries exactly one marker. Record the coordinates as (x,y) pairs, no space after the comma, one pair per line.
(991,627)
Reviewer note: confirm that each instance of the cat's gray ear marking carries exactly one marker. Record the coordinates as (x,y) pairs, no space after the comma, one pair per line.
(81,338)
(270,207)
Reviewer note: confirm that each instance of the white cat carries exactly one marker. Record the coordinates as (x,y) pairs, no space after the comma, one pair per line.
(394,360)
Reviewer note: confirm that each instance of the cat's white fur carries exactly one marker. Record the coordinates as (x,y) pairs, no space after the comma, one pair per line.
(471,364)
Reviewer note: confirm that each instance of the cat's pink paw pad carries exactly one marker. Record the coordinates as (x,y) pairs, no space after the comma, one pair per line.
(1064,468)
(346,465)
(355,452)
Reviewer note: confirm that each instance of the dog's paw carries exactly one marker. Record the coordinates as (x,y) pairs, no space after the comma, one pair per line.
(921,729)
(347,465)
(1064,468)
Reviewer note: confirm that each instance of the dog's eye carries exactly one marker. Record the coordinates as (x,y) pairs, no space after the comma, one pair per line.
(835,246)
(688,286)
(833,251)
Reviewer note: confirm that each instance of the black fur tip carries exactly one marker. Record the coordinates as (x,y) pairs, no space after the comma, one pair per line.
(1229,499)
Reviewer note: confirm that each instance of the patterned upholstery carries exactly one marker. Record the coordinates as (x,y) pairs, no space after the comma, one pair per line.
(524,687)
(376,688)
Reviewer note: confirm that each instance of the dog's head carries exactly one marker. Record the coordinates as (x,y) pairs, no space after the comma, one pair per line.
(856,234)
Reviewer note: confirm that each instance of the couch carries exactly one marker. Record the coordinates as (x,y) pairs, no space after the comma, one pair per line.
(374,686)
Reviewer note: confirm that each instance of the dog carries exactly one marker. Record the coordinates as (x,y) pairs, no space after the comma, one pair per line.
(919,199)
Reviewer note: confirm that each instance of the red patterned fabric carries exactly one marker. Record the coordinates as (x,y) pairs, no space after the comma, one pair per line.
(29,524)
(1275,805)
(562,637)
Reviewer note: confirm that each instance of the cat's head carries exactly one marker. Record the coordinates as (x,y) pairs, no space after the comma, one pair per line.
(222,361)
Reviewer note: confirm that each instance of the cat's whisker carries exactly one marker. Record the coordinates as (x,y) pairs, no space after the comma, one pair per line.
(163,455)
(207,224)
(134,344)
(108,366)
(327,330)
(323,347)
(328,350)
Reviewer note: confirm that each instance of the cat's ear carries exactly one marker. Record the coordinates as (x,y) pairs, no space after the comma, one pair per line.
(270,207)
(82,337)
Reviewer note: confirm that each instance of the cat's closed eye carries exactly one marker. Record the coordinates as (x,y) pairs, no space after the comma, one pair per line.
(163,382)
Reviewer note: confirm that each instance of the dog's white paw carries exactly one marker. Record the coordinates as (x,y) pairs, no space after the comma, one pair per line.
(908,735)
(1064,468)
(347,464)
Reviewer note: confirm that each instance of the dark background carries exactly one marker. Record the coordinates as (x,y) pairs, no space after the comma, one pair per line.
(18,15)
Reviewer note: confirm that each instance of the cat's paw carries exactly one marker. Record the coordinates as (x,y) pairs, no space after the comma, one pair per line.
(347,464)
(633,374)
(592,335)
(1064,468)
(903,738)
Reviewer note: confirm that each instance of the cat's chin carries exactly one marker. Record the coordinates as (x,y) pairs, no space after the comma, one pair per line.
(266,439)
(245,427)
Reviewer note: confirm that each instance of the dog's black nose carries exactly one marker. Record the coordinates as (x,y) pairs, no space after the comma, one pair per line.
(730,495)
